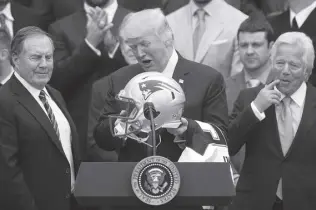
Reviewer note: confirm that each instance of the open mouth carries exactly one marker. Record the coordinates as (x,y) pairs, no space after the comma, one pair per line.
(284,81)
(146,62)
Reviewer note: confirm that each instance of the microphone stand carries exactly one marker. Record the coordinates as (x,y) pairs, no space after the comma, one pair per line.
(150,114)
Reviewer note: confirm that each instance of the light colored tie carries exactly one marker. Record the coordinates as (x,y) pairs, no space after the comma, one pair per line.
(199,29)
(286,132)
(253,83)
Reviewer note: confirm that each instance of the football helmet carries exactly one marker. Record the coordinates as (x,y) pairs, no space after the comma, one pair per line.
(163,92)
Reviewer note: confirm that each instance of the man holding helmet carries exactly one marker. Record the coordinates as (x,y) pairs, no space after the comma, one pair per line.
(203,88)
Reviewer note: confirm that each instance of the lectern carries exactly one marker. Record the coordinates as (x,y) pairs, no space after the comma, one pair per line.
(109,184)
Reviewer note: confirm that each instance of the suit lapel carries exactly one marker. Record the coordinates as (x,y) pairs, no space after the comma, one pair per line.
(181,72)
(308,119)
(30,104)
(213,30)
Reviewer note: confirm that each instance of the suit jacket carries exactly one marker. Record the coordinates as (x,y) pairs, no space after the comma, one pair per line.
(49,11)
(35,173)
(24,16)
(205,101)
(218,48)
(281,24)
(264,161)
(77,66)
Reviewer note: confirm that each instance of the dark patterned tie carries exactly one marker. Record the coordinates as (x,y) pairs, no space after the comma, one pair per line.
(50,113)
(294,24)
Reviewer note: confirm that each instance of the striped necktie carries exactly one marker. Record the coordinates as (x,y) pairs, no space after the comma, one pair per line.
(50,113)
(199,29)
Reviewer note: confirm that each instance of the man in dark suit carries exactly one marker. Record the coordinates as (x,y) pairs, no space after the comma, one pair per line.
(275,122)
(50,11)
(301,16)
(5,65)
(152,44)
(39,153)
(15,16)
(87,49)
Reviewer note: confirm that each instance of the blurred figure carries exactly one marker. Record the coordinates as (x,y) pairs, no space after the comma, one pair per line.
(14,16)
(49,11)
(6,70)
(276,122)
(97,101)
(205,32)
(301,16)
(87,49)
(39,151)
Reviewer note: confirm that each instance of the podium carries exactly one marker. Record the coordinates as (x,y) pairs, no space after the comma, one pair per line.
(109,184)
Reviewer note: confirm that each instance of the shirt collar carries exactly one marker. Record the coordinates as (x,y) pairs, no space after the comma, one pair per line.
(262,78)
(33,91)
(171,65)
(302,15)
(110,10)
(8,77)
(7,12)
(211,9)
(298,96)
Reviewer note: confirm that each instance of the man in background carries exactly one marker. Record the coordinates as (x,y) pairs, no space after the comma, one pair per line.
(6,70)
(87,49)
(205,32)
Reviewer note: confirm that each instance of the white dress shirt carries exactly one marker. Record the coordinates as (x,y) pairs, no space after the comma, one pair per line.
(302,15)
(63,125)
(9,18)
(297,107)
(171,65)
(110,11)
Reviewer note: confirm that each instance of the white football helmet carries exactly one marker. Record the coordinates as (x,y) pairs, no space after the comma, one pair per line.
(163,92)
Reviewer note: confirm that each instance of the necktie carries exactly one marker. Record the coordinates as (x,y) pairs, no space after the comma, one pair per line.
(294,24)
(3,24)
(50,113)
(199,29)
(286,132)
(253,83)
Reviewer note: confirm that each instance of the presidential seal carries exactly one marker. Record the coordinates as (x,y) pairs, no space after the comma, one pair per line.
(155,180)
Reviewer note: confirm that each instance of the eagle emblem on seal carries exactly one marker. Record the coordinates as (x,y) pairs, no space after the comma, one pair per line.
(155,182)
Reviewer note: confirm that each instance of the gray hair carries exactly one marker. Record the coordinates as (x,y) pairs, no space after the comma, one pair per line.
(300,40)
(17,43)
(149,20)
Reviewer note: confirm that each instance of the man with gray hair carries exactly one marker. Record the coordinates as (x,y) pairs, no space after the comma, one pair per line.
(275,123)
(39,153)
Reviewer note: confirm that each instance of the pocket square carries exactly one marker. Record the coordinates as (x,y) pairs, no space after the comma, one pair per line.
(217,42)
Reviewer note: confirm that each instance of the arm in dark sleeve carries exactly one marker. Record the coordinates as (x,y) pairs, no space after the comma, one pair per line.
(242,121)
(102,133)
(71,68)
(98,99)
(215,103)
(14,193)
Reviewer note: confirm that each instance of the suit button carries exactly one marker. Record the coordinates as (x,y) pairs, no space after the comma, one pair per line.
(67,171)
(67,196)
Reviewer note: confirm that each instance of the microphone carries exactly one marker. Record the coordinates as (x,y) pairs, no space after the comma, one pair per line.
(150,113)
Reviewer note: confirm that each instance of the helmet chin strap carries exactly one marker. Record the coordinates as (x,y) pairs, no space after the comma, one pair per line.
(143,140)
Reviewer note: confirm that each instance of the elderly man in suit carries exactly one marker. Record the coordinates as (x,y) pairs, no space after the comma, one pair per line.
(301,16)
(6,70)
(255,37)
(276,123)
(87,49)
(39,153)
(205,32)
